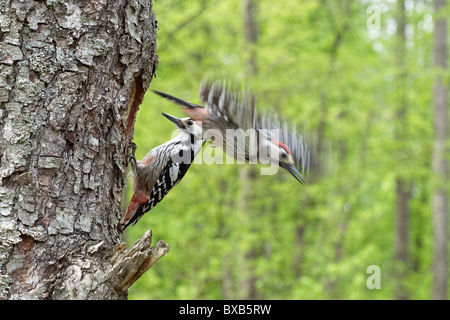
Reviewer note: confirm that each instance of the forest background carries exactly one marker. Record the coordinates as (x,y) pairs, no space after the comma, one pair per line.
(357,77)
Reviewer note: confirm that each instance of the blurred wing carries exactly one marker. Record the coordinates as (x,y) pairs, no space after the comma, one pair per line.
(227,107)
(231,109)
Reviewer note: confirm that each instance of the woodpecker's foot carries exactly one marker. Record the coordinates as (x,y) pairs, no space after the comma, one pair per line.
(133,148)
(131,156)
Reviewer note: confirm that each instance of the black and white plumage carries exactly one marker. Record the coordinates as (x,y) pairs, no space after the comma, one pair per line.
(227,109)
(162,168)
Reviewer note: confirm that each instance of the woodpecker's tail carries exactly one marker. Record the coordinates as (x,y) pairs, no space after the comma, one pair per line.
(194,111)
(181,102)
(134,210)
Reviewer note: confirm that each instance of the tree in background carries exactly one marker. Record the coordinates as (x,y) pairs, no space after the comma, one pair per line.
(440,156)
(402,186)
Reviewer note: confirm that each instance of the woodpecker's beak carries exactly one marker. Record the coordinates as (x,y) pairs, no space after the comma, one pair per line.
(175,120)
(292,170)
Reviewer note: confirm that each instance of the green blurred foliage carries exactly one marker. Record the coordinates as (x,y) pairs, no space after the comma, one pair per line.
(312,241)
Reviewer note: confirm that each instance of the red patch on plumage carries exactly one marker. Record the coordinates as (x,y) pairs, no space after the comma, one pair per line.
(146,161)
(282,145)
(137,199)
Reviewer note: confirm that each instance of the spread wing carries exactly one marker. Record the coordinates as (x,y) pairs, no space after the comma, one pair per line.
(230,108)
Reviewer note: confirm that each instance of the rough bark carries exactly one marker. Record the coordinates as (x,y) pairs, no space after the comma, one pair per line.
(72,77)
(440,158)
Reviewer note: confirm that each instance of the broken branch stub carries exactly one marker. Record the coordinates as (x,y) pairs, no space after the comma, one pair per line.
(128,265)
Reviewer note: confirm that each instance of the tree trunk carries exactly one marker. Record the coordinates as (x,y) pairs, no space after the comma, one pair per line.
(401,239)
(440,161)
(72,77)
(402,189)
(247,174)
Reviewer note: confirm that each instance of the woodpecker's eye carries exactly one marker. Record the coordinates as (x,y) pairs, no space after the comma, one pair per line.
(284,155)
(190,122)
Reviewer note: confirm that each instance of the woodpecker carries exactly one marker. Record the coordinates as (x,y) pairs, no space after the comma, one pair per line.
(227,108)
(162,168)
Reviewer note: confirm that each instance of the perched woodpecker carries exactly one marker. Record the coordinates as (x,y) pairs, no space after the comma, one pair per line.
(162,168)
(227,108)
